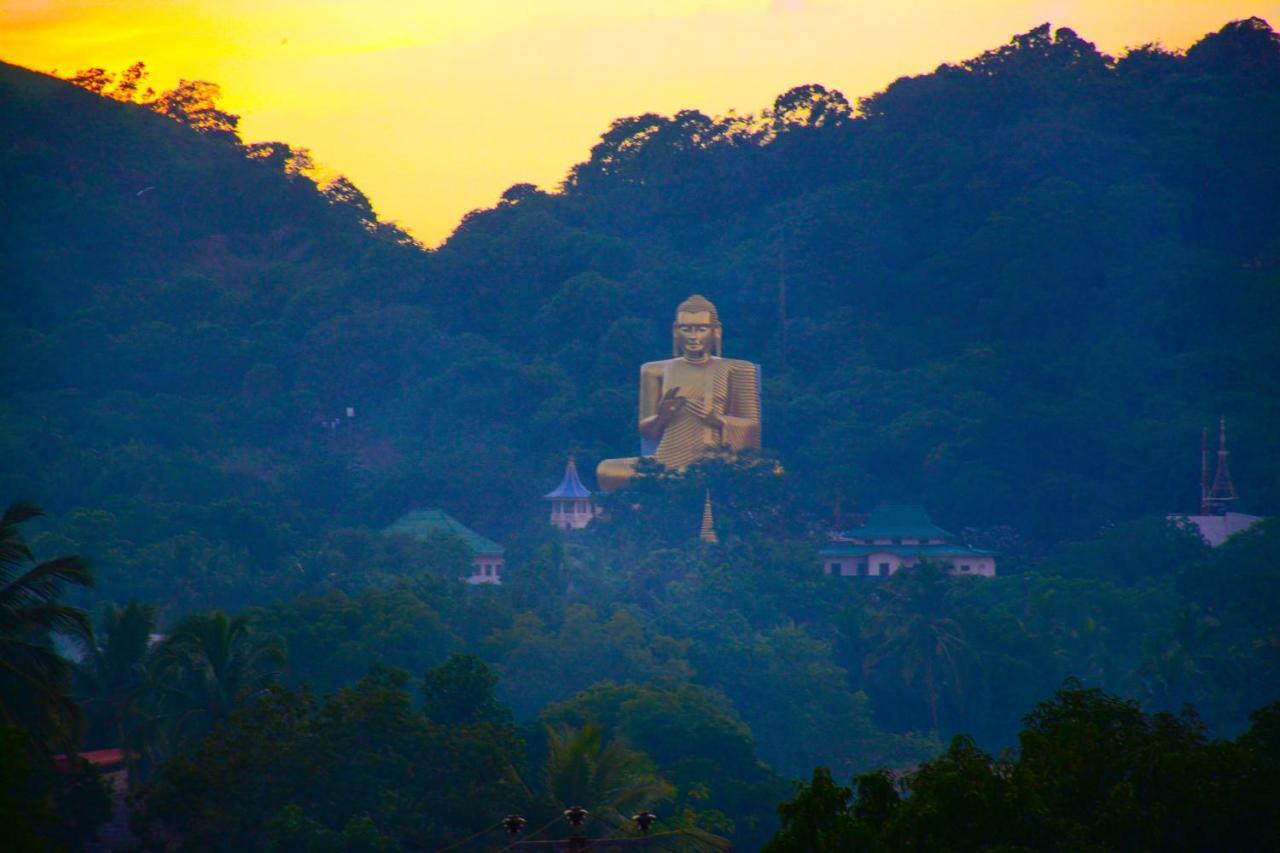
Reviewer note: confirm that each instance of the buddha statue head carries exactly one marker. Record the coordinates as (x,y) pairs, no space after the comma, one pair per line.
(696,330)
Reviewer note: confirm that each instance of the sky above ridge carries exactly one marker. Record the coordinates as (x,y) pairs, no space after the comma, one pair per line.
(434,107)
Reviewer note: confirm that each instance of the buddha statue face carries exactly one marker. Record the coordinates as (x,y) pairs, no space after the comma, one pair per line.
(693,331)
(696,331)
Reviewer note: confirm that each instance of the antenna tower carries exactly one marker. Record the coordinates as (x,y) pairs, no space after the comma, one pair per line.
(1223,489)
(1206,508)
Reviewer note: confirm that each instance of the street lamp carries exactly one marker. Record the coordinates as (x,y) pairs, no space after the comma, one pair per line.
(513,823)
(644,820)
(576,815)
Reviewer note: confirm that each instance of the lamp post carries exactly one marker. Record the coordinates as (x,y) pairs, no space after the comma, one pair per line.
(578,842)
(513,823)
(576,815)
(644,820)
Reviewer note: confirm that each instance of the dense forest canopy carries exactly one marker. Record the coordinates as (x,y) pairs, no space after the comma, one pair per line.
(1014,290)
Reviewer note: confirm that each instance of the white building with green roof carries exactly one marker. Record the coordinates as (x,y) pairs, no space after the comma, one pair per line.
(487,560)
(897,536)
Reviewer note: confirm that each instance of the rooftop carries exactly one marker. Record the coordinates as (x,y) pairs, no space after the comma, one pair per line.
(1216,529)
(423,523)
(570,486)
(898,521)
(926,552)
(96,757)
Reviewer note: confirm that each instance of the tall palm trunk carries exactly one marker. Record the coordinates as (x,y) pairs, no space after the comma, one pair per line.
(933,696)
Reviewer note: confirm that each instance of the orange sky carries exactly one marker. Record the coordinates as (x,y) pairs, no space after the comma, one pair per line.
(433,107)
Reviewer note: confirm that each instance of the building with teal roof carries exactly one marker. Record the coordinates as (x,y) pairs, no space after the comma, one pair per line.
(897,536)
(487,556)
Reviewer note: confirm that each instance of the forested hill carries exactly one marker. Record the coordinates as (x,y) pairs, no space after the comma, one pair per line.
(1015,290)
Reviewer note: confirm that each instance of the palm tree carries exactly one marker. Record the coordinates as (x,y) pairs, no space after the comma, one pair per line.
(210,665)
(34,678)
(611,780)
(914,626)
(111,681)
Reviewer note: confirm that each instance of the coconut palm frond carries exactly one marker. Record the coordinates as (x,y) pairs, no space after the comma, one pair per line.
(44,581)
(689,839)
(41,619)
(18,512)
(14,551)
(610,779)
(34,678)
(209,665)
(33,696)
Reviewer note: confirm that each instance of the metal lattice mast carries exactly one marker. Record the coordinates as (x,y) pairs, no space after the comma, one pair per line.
(1223,489)
(1206,508)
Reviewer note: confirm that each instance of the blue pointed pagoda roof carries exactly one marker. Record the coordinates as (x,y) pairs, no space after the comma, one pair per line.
(570,486)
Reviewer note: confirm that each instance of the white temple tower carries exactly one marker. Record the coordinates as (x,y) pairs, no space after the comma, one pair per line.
(571,505)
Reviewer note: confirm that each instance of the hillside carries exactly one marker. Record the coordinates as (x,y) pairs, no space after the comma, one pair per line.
(176,327)
(1014,288)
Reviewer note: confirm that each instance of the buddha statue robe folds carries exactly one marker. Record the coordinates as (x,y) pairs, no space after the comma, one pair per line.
(694,405)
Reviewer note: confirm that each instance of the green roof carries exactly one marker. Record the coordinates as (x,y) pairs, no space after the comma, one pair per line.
(899,521)
(423,523)
(925,551)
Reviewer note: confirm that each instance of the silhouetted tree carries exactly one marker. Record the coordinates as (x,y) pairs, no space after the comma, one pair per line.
(34,676)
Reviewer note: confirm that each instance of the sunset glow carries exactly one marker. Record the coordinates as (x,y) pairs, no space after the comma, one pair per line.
(433,108)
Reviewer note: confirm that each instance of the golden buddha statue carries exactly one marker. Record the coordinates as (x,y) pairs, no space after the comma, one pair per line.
(694,405)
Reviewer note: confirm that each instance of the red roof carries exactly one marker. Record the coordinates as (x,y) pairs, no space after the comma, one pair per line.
(96,757)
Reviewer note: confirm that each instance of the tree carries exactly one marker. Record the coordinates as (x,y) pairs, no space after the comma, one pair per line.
(610,779)
(1130,552)
(194,103)
(96,80)
(341,192)
(817,819)
(111,681)
(1104,773)
(283,158)
(696,741)
(966,801)
(47,805)
(332,639)
(915,627)
(1094,773)
(210,665)
(34,678)
(809,106)
(460,691)
(670,722)
(360,767)
(620,648)
(125,88)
